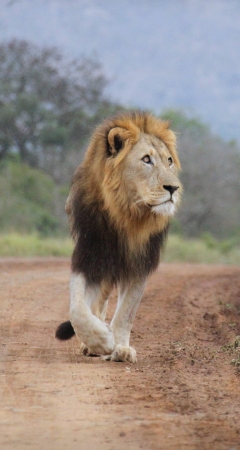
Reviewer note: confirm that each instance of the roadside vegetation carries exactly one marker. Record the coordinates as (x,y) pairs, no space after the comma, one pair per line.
(178,249)
(49,107)
(29,245)
(198,250)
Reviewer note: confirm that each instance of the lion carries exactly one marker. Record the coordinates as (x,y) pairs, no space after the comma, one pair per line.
(120,202)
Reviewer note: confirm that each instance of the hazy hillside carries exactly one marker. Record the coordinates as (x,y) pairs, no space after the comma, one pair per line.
(158,54)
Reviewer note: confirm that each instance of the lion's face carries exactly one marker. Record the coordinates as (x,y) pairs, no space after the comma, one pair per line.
(150,176)
(141,176)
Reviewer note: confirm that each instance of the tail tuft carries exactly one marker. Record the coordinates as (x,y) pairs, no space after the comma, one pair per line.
(64,331)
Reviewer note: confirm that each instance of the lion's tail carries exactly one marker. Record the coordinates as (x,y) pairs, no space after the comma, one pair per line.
(64,331)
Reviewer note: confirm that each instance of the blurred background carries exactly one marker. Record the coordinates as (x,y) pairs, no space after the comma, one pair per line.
(65,65)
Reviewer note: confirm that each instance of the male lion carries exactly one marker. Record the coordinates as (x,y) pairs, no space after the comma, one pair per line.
(119,206)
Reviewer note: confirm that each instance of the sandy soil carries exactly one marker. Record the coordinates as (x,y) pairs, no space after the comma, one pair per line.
(183,393)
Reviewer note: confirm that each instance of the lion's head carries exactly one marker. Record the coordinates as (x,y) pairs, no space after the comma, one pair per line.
(131,168)
(147,174)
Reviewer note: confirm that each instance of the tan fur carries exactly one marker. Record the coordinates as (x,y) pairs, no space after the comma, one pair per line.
(103,177)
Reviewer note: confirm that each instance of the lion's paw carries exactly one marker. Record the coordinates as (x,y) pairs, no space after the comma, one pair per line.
(122,353)
(84,349)
(100,341)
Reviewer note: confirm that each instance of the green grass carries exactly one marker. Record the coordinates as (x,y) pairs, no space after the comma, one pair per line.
(14,244)
(199,251)
(177,248)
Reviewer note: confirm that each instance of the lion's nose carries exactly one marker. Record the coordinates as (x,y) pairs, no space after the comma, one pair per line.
(171,189)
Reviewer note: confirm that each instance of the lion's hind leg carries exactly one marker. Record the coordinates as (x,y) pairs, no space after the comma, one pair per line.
(106,290)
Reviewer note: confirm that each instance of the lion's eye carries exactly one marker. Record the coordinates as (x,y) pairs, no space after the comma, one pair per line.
(146,159)
(170,160)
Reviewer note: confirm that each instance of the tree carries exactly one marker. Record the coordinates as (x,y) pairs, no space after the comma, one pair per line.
(210,176)
(46,102)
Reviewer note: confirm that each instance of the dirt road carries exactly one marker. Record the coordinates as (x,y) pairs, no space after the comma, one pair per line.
(183,393)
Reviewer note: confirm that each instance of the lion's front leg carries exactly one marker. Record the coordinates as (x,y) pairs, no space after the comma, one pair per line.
(128,301)
(96,335)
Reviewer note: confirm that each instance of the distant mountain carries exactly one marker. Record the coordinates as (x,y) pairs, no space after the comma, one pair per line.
(159,54)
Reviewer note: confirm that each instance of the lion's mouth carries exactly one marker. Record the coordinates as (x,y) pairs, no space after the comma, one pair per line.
(160,204)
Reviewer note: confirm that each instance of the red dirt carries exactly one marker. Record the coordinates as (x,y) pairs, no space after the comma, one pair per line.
(183,393)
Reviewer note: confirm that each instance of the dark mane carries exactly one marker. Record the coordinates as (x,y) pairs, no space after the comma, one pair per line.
(102,253)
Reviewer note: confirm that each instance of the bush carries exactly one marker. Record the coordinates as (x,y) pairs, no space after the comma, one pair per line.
(30,201)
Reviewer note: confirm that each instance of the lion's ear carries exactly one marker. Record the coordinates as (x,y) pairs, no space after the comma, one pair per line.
(116,139)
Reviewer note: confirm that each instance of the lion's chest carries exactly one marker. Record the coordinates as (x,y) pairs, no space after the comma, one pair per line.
(101,253)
